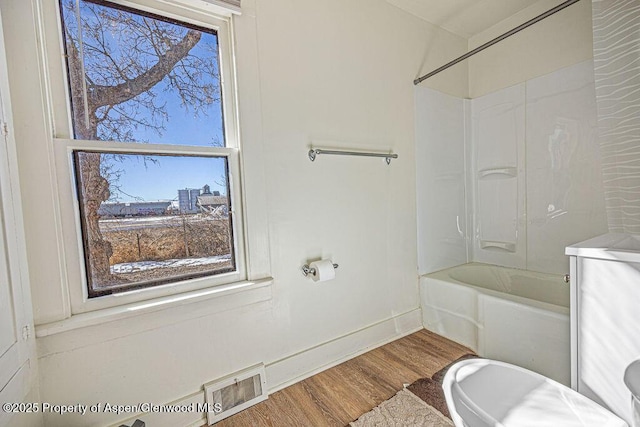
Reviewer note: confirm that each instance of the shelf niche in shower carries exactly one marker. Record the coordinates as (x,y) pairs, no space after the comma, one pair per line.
(493,245)
(498,173)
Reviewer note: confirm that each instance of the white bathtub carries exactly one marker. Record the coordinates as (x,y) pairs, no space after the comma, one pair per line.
(515,316)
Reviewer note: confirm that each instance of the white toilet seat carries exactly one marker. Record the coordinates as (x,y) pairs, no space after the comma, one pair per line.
(632,378)
(482,393)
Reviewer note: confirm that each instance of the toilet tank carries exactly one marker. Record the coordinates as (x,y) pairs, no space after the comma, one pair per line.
(605,318)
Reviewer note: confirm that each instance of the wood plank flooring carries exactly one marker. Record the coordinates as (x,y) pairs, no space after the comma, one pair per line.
(341,394)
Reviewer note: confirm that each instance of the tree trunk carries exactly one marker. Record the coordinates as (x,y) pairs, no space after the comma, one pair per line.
(95,190)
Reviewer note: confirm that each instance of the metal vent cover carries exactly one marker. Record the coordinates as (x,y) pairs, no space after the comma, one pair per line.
(234,393)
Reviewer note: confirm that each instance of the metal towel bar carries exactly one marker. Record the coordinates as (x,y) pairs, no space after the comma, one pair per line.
(316,151)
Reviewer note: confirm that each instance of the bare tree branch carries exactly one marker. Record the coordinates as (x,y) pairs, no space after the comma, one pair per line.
(112,95)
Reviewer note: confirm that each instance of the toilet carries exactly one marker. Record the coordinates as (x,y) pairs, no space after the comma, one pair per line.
(483,393)
(632,380)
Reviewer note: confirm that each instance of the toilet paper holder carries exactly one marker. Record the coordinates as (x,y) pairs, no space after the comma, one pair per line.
(306,270)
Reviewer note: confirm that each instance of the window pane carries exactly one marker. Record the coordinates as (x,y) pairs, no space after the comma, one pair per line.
(153,219)
(141,78)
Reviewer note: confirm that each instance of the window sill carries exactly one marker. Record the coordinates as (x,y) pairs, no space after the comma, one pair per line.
(225,297)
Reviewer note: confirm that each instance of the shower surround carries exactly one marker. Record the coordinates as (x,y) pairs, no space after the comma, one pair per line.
(510,178)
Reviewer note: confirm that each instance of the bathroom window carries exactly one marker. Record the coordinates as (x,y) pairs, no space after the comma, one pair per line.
(152,155)
(167,232)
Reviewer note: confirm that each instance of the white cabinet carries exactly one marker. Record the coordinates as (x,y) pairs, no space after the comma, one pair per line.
(605,317)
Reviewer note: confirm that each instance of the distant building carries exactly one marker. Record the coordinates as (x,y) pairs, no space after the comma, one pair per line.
(194,200)
(188,200)
(210,202)
(184,205)
(132,209)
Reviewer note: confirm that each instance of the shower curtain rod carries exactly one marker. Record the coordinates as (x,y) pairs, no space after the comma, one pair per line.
(496,40)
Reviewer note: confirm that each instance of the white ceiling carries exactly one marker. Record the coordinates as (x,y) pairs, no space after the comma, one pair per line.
(465,18)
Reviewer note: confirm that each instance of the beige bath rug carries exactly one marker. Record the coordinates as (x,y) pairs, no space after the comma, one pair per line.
(430,389)
(403,410)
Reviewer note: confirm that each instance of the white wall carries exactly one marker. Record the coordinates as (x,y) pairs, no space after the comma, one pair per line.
(333,71)
(561,40)
(617,58)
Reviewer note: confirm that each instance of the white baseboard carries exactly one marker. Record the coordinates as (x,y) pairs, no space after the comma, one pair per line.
(296,367)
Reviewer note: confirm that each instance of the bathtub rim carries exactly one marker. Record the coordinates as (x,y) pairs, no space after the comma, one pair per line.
(443,276)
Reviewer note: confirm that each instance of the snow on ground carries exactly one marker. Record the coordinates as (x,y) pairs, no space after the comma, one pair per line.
(216,214)
(139,218)
(133,267)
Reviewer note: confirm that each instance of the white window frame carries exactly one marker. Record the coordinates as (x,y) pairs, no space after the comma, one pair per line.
(63,145)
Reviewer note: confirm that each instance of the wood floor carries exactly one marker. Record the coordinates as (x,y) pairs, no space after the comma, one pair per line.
(341,394)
